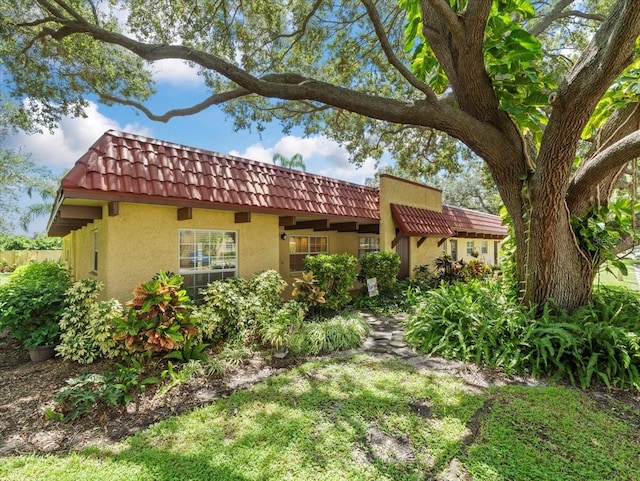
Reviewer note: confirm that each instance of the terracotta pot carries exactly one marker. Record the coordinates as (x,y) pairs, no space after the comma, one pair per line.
(41,353)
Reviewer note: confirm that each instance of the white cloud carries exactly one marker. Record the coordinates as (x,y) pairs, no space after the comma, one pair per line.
(322,156)
(175,72)
(70,140)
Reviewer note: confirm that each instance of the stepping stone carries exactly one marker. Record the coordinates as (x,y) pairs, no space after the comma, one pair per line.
(380,335)
(398,344)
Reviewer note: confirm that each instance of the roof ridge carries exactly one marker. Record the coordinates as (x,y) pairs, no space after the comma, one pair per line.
(164,143)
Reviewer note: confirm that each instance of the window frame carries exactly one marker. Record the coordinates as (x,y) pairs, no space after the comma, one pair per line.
(368,249)
(308,252)
(192,274)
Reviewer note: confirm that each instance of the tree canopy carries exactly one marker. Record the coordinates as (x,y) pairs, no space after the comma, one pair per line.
(545,92)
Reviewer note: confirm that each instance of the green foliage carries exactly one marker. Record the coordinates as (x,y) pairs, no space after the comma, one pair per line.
(23,243)
(513,60)
(335,274)
(158,318)
(45,335)
(482,322)
(82,393)
(341,332)
(602,228)
(307,290)
(384,266)
(276,331)
(87,325)
(33,297)
(232,308)
(191,351)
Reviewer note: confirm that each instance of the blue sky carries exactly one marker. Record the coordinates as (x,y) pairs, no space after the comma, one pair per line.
(179,86)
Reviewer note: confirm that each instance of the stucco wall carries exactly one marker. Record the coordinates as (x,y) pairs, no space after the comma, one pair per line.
(488,258)
(143,239)
(399,191)
(339,243)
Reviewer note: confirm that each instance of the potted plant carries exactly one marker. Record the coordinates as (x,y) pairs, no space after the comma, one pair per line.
(41,342)
(32,302)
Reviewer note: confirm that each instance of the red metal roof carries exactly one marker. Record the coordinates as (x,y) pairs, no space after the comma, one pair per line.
(130,167)
(467,220)
(414,221)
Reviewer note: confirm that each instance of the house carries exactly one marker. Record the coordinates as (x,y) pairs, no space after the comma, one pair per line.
(132,206)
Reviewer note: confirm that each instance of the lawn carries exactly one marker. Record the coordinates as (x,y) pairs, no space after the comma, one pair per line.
(365,418)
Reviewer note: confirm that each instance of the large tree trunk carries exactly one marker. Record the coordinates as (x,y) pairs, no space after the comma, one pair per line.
(554,267)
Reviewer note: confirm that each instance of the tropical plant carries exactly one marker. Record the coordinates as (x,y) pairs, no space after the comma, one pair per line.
(335,275)
(158,316)
(87,325)
(481,322)
(33,299)
(340,332)
(293,162)
(307,290)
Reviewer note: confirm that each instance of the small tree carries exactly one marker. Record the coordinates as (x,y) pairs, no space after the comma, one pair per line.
(384,266)
(335,274)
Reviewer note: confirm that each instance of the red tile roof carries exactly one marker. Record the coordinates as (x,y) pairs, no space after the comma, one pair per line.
(122,166)
(131,168)
(467,220)
(414,221)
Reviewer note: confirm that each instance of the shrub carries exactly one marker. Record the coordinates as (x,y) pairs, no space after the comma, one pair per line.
(343,331)
(307,291)
(384,266)
(33,298)
(87,325)
(484,323)
(158,318)
(276,330)
(335,274)
(232,308)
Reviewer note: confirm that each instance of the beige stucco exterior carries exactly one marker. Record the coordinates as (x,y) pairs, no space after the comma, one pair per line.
(142,239)
(399,191)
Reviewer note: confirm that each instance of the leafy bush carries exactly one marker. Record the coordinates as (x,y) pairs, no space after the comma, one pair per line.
(384,266)
(158,318)
(277,330)
(483,322)
(307,291)
(232,308)
(82,393)
(33,298)
(87,324)
(335,274)
(22,243)
(343,331)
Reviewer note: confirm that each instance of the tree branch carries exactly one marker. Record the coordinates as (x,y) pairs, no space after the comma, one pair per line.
(609,53)
(554,14)
(609,160)
(446,13)
(393,59)
(216,99)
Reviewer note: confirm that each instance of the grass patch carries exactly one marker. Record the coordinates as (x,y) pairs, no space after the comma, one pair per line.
(555,434)
(340,419)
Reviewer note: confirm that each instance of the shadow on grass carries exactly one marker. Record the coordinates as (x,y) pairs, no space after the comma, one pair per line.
(312,423)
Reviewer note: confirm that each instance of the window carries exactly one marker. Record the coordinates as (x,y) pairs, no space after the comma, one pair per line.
(301,246)
(484,247)
(94,260)
(469,248)
(207,256)
(368,244)
(454,249)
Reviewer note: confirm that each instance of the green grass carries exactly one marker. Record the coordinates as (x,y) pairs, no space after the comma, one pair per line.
(315,423)
(629,281)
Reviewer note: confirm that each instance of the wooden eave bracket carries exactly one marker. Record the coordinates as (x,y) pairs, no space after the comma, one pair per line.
(442,241)
(113,208)
(80,212)
(286,221)
(185,213)
(369,229)
(242,217)
(322,224)
(421,241)
(396,239)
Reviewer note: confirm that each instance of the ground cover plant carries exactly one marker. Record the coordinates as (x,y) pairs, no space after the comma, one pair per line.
(364,418)
(483,322)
